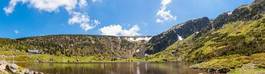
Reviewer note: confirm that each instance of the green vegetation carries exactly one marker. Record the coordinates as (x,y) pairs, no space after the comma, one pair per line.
(25,57)
(238,47)
(228,48)
(85,47)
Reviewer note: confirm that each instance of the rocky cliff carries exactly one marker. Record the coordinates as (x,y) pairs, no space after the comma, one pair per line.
(163,40)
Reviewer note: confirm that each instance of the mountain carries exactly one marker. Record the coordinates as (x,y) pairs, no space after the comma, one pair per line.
(159,42)
(231,41)
(234,40)
(79,45)
(243,13)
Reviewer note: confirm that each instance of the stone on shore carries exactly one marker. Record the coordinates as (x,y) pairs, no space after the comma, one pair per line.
(7,68)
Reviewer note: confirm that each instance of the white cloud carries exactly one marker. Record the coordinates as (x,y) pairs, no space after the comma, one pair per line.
(16,31)
(44,5)
(71,6)
(163,14)
(84,21)
(10,8)
(117,30)
(82,3)
(94,1)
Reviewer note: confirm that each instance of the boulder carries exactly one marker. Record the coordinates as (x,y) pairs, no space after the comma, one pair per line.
(12,68)
(7,68)
(2,65)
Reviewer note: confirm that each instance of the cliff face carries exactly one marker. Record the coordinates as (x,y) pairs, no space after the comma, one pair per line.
(252,11)
(163,40)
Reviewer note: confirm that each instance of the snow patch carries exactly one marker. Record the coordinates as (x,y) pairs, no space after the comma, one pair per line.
(197,32)
(230,13)
(179,37)
(134,39)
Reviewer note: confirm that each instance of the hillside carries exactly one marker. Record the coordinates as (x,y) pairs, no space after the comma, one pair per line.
(235,40)
(107,47)
(165,39)
(228,43)
(244,13)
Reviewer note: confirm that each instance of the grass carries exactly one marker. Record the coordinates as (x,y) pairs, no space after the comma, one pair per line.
(248,69)
(25,57)
(228,62)
(238,64)
(232,47)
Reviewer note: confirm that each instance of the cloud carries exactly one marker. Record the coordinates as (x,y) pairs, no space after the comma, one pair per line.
(84,21)
(73,7)
(10,8)
(16,31)
(44,5)
(117,30)
(94,1)
(164,14)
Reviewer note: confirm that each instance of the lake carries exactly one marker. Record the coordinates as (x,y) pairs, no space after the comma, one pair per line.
(110,68)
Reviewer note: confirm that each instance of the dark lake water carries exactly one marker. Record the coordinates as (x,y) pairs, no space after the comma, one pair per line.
(110,68)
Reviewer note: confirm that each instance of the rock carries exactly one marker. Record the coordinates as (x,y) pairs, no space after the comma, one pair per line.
(211,70)
(12,68)
(7,68)
(31,72)
(26,71)
(223,70)
(220,20)
(2,65)
(160,42)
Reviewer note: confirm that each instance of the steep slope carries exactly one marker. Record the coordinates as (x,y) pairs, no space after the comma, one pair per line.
(244,13)
(163,40)
(235,40)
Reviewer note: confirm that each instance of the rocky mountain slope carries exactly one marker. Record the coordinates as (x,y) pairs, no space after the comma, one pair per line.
(235,39)
(163,40)
(243,13)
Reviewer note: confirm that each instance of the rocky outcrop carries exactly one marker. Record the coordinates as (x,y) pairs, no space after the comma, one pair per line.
(163,40)
(243,13)
(8,68)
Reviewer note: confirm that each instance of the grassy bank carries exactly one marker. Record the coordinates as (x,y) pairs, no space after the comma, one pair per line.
(25,57)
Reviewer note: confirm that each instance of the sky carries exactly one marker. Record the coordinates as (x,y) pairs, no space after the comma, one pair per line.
(24,18)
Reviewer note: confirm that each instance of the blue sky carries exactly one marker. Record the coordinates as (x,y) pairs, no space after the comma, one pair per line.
(103,17)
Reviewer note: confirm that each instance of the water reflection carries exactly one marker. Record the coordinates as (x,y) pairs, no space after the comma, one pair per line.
(110,68)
